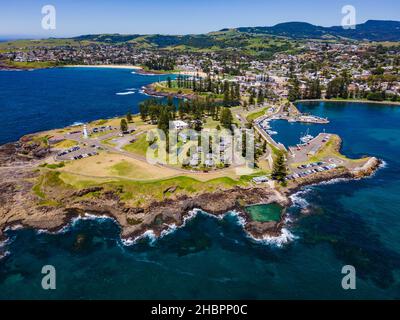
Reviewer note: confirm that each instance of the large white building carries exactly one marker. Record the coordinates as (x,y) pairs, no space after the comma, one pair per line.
(179,125)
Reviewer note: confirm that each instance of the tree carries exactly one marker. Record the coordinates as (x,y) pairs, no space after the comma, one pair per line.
(124,125)
(279,170)
(264,146)
(313,90)
(260,97)
(227,96)
(129,116)
(144,110)
(294,90)
(169,82)
(226,118)
(181,109)
(251,99)
(163,121)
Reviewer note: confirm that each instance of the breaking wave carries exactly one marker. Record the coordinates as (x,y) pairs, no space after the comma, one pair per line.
(125,93)
(285,237)
(74,221)
(77,123)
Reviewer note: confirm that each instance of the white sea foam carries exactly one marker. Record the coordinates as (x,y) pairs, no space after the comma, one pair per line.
(149,234)
(4,254)
(239,219)
(298,199)
(383,164)
(77,123)
(3,243)
(88,216)
(173,227)
(285,237)
(128,242)
(14,227)
(74,221)
(125,93)
(148,95)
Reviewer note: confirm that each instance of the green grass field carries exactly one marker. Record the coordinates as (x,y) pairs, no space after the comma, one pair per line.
(30,65)
(139,146)
(253,116)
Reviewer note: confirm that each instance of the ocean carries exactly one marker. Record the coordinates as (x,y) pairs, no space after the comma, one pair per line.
(32,101)
(350,222)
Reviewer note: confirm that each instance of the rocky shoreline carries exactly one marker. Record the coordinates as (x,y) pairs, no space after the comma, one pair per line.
(340,173)
(149,90)
(19,205)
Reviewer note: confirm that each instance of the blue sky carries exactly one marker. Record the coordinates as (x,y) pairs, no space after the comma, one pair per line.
(23,17)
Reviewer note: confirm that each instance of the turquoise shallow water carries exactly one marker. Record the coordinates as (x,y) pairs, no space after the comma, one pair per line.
(353,222)
(265,212)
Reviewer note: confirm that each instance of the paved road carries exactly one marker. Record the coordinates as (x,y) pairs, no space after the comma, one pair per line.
(97,142)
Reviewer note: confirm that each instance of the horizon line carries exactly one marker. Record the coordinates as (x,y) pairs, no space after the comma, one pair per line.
(8,37)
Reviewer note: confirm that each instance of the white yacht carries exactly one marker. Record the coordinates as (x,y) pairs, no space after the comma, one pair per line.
(307,137)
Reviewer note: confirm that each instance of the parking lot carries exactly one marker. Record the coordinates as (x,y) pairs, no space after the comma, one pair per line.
(77,152)
(311,168)
(302,152)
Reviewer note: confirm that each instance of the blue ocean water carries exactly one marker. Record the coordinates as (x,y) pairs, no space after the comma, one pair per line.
(352,223)
(32,101)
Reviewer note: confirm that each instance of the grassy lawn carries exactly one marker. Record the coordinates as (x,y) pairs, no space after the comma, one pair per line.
(139,146)
(252,116)
(31,65)
(115,165)
(108,142)
(143,192)
(211,124)
(161,87)
(65,144)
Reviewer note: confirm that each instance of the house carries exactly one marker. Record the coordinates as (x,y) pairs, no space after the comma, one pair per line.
(179,125)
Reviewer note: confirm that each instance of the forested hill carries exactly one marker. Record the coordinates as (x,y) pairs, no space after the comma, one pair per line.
(372,30)
(260,41)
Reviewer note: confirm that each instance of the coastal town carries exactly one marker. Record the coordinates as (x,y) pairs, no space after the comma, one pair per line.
(199,158)
(314,70)
(125,165)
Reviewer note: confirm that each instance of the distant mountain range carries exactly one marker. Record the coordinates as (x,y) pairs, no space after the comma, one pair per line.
(259,41)
(372,30)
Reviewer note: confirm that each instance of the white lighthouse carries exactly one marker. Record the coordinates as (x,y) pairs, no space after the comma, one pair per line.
(85,132)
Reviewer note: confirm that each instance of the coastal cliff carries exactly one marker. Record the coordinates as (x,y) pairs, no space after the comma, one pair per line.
(21,203)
